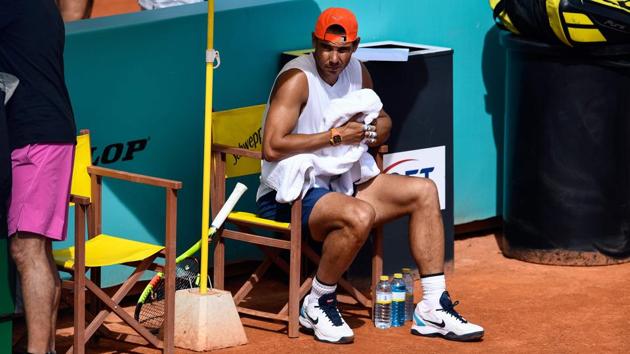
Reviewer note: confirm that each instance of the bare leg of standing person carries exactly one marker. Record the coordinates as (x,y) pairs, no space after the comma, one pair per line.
(38,281)
(56,299)
(72,10)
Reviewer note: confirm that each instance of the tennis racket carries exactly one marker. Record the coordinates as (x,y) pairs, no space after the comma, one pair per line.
(150,307)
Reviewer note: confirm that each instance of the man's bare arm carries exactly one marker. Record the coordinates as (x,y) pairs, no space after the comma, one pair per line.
(384,122)
(289,95)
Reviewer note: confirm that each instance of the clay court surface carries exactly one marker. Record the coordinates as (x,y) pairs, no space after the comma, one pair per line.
(112,7)
(524,307)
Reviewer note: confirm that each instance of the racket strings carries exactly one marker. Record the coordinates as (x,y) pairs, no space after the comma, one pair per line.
(151,314)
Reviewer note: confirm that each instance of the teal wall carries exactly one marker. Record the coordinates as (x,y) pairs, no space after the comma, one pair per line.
(141,76)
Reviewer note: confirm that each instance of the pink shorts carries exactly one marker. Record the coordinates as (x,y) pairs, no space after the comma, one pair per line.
(40,189)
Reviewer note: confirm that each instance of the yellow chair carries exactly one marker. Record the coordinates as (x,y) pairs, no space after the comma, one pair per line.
(105,250)
(246,122)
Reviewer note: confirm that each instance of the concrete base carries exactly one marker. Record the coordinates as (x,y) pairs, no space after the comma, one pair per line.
(207,322)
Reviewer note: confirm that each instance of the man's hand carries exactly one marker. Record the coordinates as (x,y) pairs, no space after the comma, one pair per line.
(382,127)
(371,133)
(352,133)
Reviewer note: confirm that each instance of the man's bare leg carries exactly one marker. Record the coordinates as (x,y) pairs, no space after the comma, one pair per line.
(72,10)
(57,298)
(418,198)
(343,224)
(30,254)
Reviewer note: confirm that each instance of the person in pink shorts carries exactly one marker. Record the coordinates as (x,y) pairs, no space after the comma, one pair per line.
(41,135)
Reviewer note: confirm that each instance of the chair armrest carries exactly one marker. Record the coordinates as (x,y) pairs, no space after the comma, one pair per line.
(237,151)
(77,199)
(134,177)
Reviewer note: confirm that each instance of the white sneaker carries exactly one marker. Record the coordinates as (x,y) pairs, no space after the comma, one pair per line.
(324,319)
(444,322)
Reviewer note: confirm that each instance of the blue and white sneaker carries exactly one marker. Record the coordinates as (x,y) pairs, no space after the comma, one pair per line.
(324,319)
(444,322)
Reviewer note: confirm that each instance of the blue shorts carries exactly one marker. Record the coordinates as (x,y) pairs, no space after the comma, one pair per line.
(269,208)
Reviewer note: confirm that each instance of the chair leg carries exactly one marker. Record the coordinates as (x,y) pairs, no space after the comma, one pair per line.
(79,281)
(254,278)
(219,263)
(377,260)
(95,304)
(112,304)
(304,289)
(295,262)
(343,283)
(294,294)
(79,315)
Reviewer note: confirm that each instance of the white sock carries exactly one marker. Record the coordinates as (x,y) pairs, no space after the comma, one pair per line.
(432,288)
(318,289)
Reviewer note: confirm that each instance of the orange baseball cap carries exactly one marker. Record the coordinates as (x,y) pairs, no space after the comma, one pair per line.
(337,16)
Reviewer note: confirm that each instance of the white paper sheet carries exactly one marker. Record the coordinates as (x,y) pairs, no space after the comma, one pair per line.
(382,54)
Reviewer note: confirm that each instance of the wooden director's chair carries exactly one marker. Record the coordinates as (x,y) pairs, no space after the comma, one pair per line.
(102,250)
(291,239)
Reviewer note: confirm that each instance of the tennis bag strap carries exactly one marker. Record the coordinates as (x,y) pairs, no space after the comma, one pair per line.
(590,22)
(527,17)
(571,22)
(501,17)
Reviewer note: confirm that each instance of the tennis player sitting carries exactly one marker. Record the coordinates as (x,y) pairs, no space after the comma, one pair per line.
(336,216)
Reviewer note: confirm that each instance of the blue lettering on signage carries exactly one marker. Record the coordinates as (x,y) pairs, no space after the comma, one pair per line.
(424,172)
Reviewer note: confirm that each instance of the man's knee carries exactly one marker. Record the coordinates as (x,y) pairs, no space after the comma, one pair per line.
(25,247)
(425,192)
(19,252)
(358,218)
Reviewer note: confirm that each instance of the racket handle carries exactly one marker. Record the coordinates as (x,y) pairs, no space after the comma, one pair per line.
(238,191)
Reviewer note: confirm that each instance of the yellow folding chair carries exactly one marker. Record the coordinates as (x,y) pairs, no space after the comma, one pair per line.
(228,140)
(102,250)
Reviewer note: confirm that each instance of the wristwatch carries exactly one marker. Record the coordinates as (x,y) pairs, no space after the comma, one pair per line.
(335,137)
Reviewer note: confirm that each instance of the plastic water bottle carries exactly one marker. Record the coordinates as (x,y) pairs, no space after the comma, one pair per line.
(399,291)
(408,279)
(383,305)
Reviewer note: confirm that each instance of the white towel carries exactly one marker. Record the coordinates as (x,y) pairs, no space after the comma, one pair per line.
(294,176)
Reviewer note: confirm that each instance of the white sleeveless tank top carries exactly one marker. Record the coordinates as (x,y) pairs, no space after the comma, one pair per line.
(320,94)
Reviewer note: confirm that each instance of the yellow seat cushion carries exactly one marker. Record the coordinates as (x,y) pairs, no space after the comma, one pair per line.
(253,219)
(106,250)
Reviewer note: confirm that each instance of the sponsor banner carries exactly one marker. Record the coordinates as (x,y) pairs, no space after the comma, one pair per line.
(239,127)
(427,163)
(120,151)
